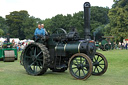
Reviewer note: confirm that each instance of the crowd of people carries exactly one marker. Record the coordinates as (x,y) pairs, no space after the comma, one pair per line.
(20,45)
(122,46)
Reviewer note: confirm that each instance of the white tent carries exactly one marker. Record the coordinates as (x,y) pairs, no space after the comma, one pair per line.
(2,39)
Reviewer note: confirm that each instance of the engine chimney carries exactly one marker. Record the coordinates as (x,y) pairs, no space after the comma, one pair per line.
(87,20)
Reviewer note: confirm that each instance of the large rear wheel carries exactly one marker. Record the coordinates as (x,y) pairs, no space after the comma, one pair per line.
(80,66)
(36,59)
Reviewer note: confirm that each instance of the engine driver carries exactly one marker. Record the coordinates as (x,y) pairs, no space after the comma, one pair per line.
(39,31)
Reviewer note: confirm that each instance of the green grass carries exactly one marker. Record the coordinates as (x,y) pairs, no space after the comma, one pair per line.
(12,73)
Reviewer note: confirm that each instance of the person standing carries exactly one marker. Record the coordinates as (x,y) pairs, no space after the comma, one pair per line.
(13,43)
(42,26)
(126,45)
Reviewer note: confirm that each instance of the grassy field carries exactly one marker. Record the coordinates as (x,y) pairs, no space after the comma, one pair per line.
(12,73)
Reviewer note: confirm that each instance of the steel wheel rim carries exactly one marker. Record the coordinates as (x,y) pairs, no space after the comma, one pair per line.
(80,66)
(33,59)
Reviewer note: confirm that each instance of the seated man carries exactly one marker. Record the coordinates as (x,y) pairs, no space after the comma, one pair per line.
(39,31)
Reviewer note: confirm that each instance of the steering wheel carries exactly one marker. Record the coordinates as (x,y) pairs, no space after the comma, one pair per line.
(59,31)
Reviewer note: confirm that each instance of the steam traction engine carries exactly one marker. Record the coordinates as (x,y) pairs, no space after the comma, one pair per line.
(62,50)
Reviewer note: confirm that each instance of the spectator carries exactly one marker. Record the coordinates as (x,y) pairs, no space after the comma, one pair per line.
(126,46)
(13,43)
(5,41)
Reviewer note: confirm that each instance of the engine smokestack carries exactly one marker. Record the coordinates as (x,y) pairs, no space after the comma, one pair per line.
(87,27)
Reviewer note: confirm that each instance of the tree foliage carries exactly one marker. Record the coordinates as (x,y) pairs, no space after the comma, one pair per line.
(15,22)
(118,16)
(20,24)
(98,17)
(1,32)
(3,25)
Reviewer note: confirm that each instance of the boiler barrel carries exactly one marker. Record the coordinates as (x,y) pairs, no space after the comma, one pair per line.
(72,48)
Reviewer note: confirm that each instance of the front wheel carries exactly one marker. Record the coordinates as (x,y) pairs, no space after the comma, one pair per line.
(80,66)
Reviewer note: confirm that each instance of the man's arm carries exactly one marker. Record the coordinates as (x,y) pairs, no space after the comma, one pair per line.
(46,33)
(35,33)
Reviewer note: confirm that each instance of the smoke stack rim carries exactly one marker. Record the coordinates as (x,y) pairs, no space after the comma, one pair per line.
(87,5)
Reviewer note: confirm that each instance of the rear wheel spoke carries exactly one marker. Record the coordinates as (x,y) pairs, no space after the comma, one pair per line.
(31,64)
(30,53)
(39,59)
(34,67)
(38,54)
(35,51)
(39,65)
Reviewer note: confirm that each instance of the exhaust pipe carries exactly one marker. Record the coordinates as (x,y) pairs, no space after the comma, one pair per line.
(87,27)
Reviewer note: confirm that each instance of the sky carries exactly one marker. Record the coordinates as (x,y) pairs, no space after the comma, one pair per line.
(48,8)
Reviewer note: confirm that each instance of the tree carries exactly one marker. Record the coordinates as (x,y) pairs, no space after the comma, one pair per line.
(48,25)
(119,19)
(1,32)
(14,21)
(77,22)
(3,25)
(98,17)
(29,27)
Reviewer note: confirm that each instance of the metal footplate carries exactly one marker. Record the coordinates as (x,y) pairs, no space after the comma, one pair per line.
(9,56)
